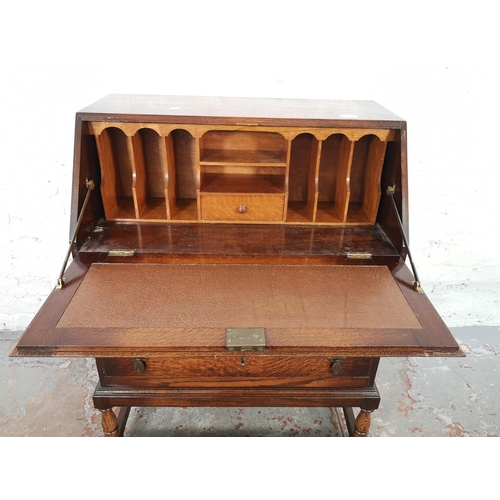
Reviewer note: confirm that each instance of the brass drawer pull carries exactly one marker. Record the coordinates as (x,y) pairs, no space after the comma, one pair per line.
(242,209)
(336,365)
(139,365)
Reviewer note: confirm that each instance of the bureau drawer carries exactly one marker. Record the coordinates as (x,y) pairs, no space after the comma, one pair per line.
(231,207)
(237,371)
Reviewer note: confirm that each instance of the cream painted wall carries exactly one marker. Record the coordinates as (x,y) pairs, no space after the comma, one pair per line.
(434,66)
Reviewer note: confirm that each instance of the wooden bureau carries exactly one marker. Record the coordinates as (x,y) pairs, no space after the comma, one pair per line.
(238,252)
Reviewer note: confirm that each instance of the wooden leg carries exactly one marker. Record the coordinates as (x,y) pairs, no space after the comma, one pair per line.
(349,420)
(109,423)
(362,425)
(121,418)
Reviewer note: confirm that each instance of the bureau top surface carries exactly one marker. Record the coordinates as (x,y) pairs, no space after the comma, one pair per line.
(239,110)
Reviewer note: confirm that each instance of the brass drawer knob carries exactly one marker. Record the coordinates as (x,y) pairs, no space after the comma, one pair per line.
(139,365)
(336,365)
(242,209)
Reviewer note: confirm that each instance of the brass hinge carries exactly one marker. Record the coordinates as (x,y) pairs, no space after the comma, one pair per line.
(359,255)
(245,339)
(121,253)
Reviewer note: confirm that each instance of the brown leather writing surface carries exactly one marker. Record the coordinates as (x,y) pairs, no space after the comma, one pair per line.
(222,296)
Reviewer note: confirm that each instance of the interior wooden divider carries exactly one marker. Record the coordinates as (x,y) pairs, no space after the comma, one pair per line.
(343,184)
(151,168)
(183,157)
(333,179)
(111,188)
(116,158)
(171,182)
(288,155)
(312,185)
(365,177)
(372,191)
(139,178)
(302,180)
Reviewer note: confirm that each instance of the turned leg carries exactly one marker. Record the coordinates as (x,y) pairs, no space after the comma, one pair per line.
(362,424)
(109,423)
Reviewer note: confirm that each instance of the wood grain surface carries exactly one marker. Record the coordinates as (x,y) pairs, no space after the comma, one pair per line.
(240,110)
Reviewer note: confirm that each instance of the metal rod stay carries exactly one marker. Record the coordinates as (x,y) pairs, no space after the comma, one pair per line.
(60,280)
(416,284)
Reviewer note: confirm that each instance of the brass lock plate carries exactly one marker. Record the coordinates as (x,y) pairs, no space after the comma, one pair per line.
(245,339)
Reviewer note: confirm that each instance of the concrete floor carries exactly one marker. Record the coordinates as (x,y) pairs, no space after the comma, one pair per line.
(420,397)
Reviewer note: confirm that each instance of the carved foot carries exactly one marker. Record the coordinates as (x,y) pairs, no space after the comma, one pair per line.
(109,423)
(362,425)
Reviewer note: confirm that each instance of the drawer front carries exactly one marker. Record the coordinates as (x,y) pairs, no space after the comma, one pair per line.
(242,207)
(238,371)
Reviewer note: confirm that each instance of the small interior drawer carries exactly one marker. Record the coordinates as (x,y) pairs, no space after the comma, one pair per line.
(237,207)
(236,371)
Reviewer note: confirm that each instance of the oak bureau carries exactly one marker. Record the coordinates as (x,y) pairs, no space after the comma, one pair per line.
(238,252)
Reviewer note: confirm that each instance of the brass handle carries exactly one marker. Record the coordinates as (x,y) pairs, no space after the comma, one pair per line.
(139,365)
(242,209)
(336,365)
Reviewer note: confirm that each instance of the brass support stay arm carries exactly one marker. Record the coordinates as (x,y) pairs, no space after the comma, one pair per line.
(60,280)
(416,284)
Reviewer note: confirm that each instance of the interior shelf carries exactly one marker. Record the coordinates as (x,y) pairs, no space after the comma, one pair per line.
(243,158)
(243,183)
(243,148)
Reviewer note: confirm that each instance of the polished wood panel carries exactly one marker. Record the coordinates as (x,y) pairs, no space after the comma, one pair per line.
(237,110)
(258,241)
(244,370)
